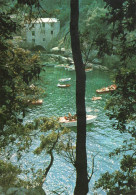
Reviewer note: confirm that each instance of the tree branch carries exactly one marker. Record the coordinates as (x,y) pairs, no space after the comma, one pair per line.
(51,161)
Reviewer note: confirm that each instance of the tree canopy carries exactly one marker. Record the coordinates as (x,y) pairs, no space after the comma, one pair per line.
(20,70)
(121,106)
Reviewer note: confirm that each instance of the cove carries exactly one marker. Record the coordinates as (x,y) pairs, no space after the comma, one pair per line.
(101,137)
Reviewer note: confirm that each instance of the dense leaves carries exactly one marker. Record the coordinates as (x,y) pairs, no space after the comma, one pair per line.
(108,31)
(122,104)
(8,174)
(118,182)
(18,69)
(125,97)
(7,26)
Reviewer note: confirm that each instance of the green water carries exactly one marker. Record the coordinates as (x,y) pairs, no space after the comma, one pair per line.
(60,101)
(101,137)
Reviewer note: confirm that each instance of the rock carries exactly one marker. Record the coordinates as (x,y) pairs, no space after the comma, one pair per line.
(38,48)
(37,191)
(70,60)
(62,50)
(97,61)
(104,68)
(99,67)
(58,50)
(62,59)
(67,54)
(89,65)
(55,49)
(2,191)
(22,191)
(11,191)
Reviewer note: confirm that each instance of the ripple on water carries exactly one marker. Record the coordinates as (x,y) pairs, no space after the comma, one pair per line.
(101,137)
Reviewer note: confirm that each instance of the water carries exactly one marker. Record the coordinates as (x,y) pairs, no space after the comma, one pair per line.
(101,137)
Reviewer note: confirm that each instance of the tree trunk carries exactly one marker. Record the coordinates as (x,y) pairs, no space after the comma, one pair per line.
(81,187)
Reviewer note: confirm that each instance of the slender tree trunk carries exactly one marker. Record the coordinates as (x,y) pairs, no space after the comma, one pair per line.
(81,187)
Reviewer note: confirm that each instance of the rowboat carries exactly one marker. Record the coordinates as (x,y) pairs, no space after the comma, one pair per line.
(73,123)
(64,80)
(88,69)
(96,98)
(107,89)
(63,85)
(70,68)
(37,102)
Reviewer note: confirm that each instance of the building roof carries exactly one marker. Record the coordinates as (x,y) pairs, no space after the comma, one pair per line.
(45,20)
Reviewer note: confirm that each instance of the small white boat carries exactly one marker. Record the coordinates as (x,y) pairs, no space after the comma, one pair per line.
(63,85)
(64,80)
(73,123)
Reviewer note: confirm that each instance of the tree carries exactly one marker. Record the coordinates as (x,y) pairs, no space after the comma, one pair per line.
(24,75)
(81,157)
(18,70)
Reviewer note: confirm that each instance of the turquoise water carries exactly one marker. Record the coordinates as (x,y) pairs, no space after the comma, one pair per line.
(101,137)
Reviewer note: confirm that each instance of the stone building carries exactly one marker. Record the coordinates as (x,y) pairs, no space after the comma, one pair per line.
(42,31)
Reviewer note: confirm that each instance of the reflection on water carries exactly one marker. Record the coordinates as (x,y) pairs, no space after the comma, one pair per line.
(101,138)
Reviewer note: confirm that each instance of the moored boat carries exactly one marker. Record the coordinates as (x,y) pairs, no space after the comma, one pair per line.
(63,85)
(88,69)
(71,68)
(64,80)
(73,122)
(37,102)
(107,89)
(96,98)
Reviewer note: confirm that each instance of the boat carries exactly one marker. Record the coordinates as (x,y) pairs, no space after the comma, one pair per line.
(96,98)
(64,80)
(63,85)
(107,89)
(73,122)
(37,102)
(71,68)
(88,69)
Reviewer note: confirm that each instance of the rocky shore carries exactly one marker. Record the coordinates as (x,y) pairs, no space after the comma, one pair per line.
(61,57)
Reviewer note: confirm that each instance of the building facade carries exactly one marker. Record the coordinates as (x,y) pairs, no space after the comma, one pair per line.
(42,31)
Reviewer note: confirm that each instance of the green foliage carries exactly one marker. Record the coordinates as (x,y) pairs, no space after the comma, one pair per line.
(123,96)
(121,106)
(112,61)
(18,70)
(7,27)
(52,137)
(8,173)
(123,13)
(120,182)
(93,34)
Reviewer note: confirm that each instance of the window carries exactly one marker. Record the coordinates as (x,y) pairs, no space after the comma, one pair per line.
(33,33)
(32,25)
(43,39)
(51,32)
(33,40)
(52,24)
(43,24)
